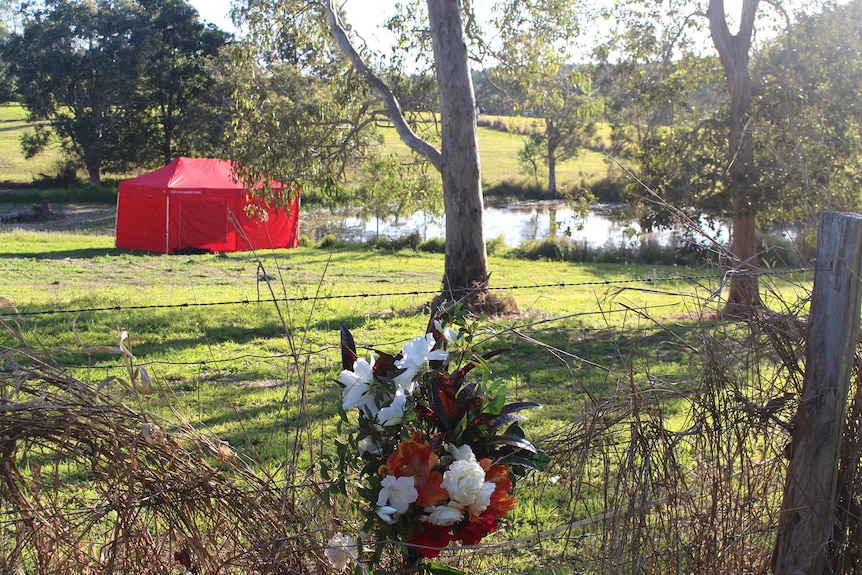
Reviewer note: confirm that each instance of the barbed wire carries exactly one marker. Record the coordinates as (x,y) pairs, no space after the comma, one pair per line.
(11,518)
(328,346)
(465,291)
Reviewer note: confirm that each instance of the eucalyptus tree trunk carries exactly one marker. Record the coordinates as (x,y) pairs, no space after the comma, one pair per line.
(733,53)
(553,143)
(466,260)
(457,160)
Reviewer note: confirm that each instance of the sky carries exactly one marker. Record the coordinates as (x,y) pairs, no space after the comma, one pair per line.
(365,21)
(360,17)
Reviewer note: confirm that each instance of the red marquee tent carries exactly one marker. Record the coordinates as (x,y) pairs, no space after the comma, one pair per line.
(194,205)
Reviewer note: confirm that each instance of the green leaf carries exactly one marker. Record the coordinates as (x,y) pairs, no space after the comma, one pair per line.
(440,569)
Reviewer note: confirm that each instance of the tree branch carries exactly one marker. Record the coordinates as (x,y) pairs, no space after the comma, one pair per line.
(718,29)
(393,108)
(746,26)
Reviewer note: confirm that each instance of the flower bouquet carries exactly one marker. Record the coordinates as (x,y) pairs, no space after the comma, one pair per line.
(437,447)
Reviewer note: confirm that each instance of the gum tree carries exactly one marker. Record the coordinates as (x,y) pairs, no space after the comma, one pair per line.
(714,161)
(734,54)
(313,35)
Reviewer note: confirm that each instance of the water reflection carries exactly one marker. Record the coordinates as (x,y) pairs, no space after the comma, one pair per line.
(604,225)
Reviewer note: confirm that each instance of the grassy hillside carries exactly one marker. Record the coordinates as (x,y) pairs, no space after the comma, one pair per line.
(498,151)
(14,167)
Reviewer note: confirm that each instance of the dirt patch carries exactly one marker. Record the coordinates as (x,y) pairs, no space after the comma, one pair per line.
(85,218)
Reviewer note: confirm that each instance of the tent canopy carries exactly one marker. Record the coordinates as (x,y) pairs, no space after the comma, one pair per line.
(196,205)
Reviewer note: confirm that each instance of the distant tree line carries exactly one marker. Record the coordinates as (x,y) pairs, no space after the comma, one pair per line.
(116,84)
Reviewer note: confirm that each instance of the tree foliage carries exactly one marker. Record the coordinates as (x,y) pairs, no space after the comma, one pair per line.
(177,78)
(292,127)
(535,76)
(387,186)
(103,74)
(803,123)
(763,116)
(809,128)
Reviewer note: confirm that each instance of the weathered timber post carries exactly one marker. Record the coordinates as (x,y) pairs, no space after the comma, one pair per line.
(808,510)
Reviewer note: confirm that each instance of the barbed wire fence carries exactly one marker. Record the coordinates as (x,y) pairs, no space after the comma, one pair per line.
(652,475)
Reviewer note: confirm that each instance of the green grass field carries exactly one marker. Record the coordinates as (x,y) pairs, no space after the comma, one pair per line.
(13,166)
(498,151)
(254,363)
(230,347)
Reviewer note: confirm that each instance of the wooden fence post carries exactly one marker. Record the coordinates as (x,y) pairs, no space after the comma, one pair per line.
(808,510)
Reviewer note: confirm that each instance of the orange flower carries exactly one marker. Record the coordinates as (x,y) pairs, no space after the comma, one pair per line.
(430,490)
(414,458)
(501,503)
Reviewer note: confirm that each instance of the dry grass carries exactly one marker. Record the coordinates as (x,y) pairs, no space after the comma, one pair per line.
(90,485)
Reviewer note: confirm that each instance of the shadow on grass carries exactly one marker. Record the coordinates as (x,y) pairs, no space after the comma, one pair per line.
(82,254)
(599,359)
(356,321)
(85,253)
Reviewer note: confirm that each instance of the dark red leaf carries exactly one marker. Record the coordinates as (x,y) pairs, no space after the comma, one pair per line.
(443,397)
(384,364)
(348,349)
(428,414)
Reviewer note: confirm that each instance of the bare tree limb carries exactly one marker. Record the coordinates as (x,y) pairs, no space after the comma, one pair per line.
(393,108)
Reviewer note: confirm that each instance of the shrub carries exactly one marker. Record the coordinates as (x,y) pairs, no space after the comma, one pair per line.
(555,249)
(606,189)
(496,246)
(433,246)
(409,241)
(327,241)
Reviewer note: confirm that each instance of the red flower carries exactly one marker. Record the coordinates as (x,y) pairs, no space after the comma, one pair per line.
(430,490)
(473,532)
(431,539)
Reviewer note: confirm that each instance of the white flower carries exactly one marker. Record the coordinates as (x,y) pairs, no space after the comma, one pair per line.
(405,381)
(445,514)
(463,453)
(465,481)
(483,498)
(367,445)
(358,391)
(340,550)
(416,353)
(450,335)
(397,492)
(393,414)
(387,514)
